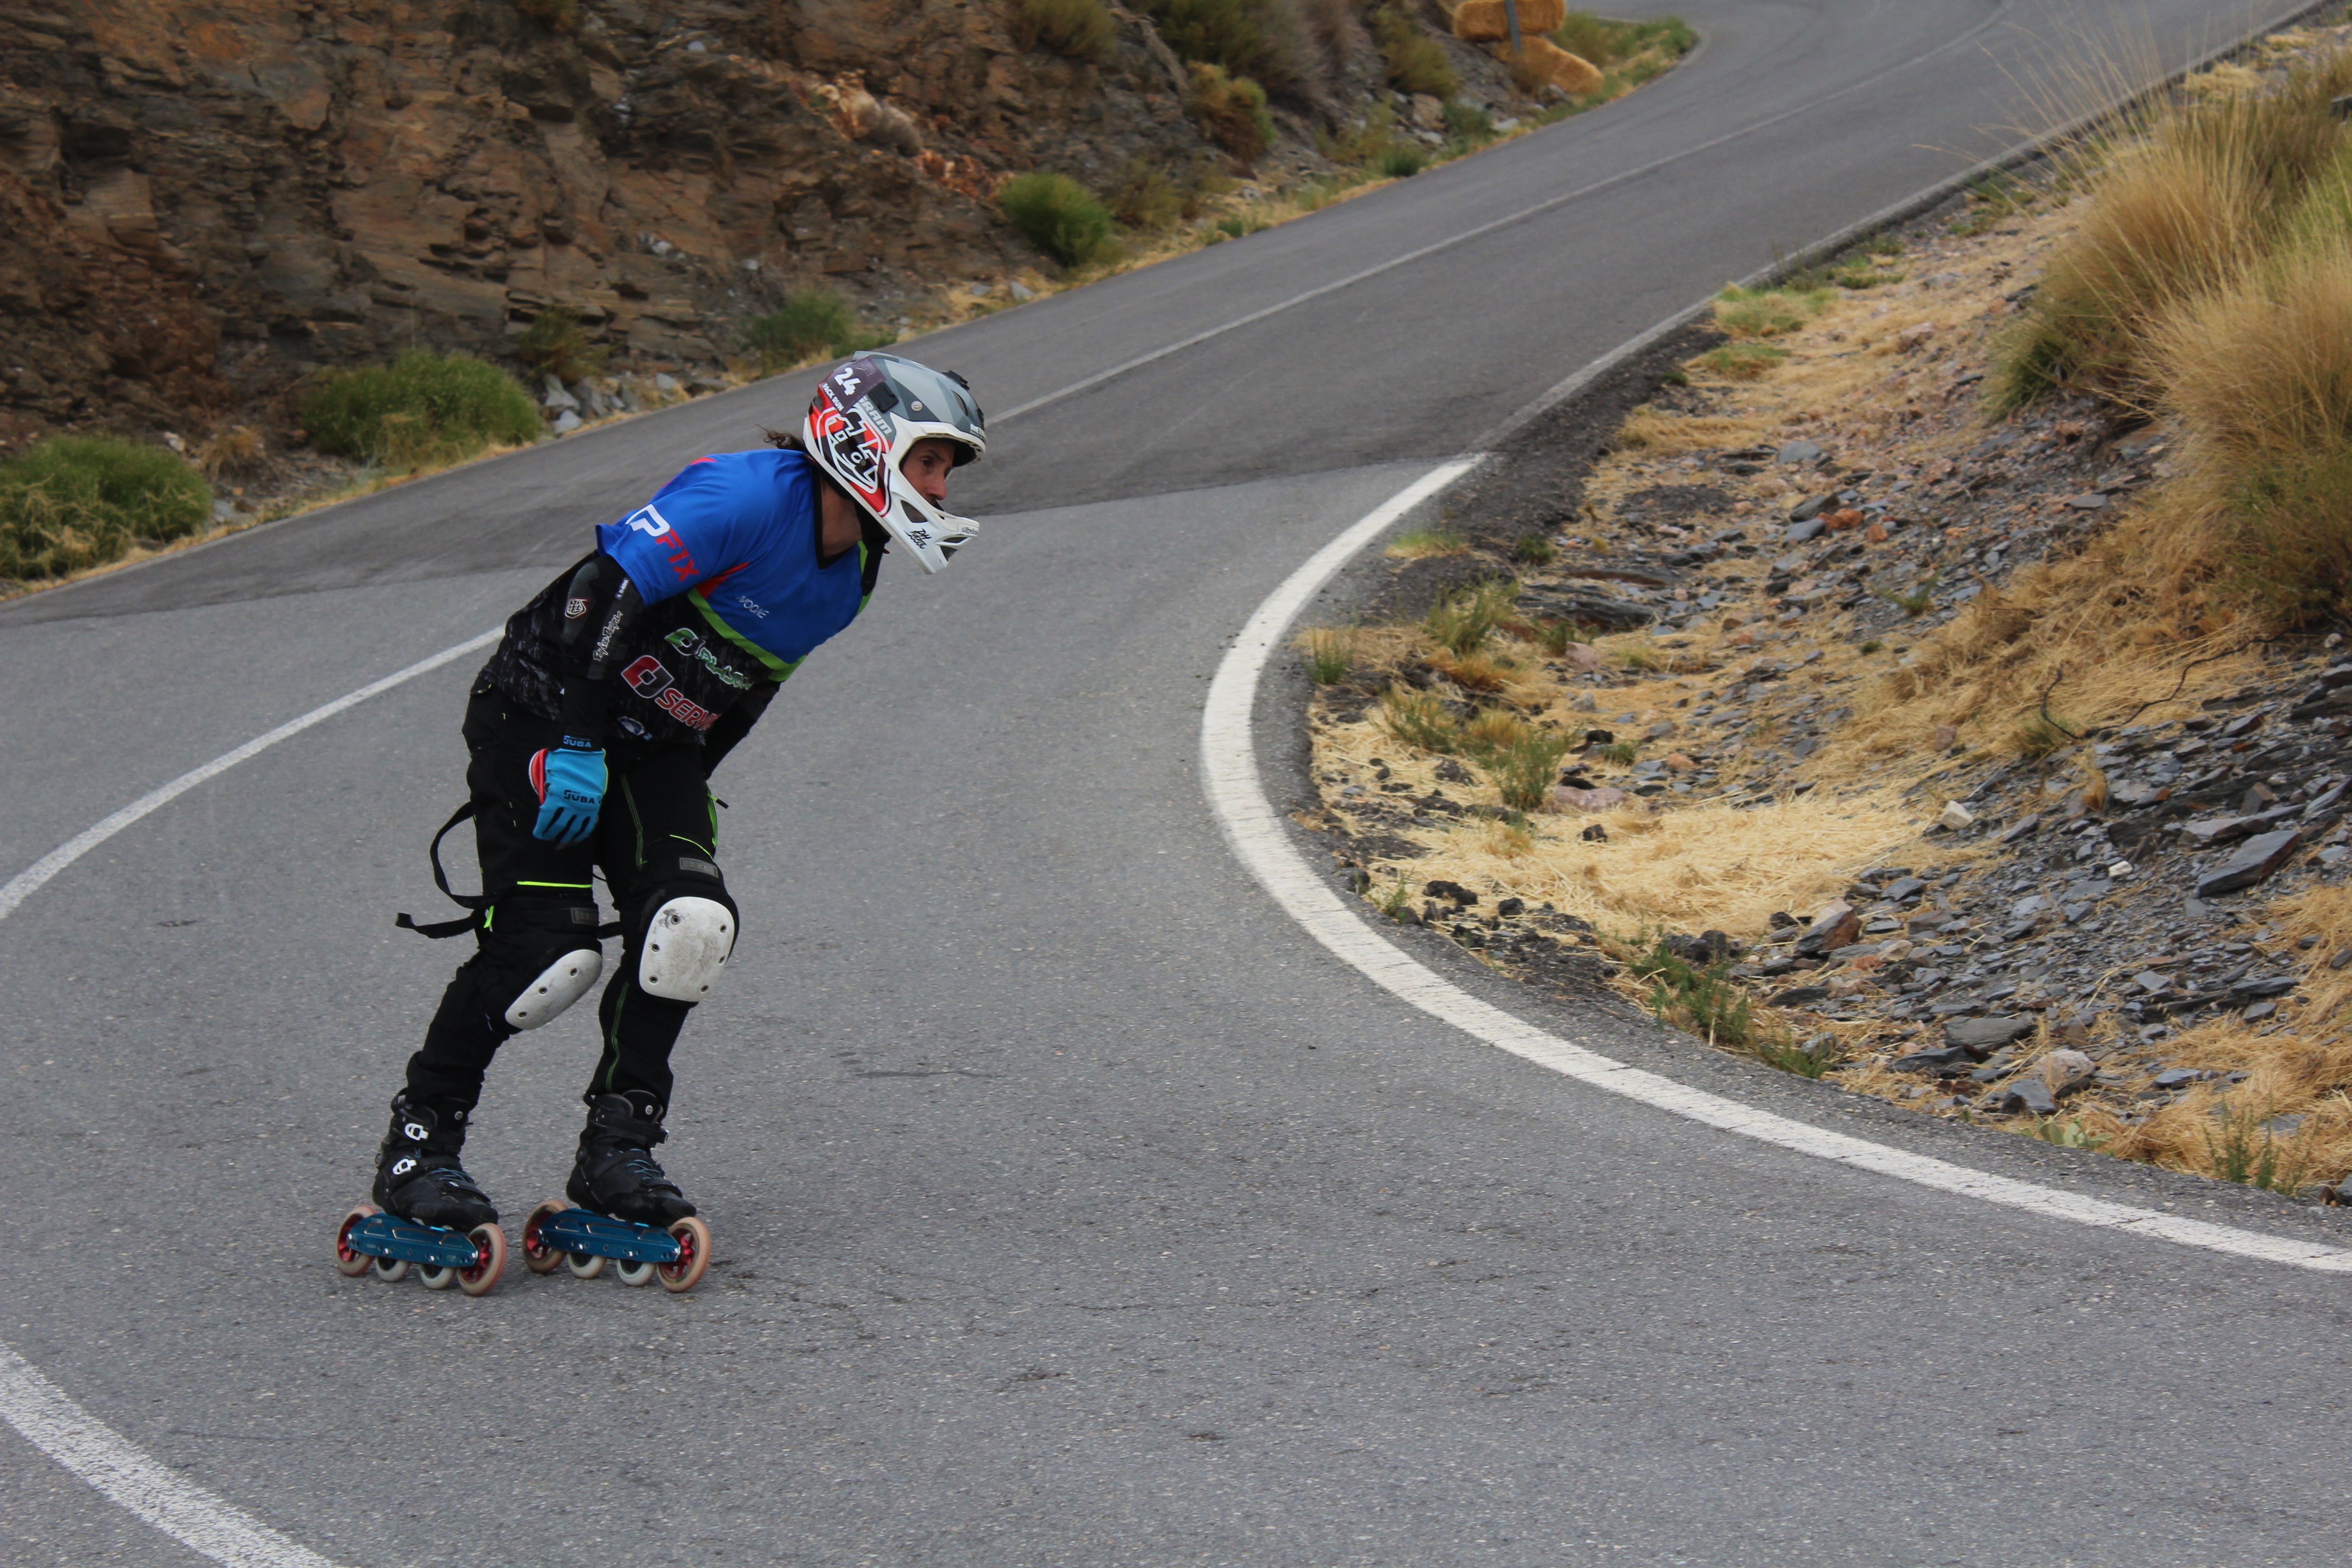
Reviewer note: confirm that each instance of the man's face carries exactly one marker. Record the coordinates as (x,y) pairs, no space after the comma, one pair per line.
(928,463)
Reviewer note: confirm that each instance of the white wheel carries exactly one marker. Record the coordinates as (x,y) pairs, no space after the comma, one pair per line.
(436,1277)
(635,1273)
(583,1266)
(389,1269)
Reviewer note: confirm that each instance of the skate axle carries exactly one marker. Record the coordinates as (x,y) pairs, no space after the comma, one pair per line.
(382,1235)
(588,1234)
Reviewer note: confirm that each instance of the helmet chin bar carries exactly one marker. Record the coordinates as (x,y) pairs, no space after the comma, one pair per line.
(928,534)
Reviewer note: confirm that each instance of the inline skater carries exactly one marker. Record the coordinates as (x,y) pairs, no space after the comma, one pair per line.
(592,734)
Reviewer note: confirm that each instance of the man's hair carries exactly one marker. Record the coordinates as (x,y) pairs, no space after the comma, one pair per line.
(788,440)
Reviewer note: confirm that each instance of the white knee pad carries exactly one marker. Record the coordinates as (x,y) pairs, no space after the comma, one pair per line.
(687,945)
(559,985)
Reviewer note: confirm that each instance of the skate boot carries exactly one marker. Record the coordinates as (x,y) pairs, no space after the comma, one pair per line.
(615,1174)
(417,1175)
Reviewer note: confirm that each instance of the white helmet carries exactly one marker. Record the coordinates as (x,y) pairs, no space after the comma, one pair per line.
(867,415)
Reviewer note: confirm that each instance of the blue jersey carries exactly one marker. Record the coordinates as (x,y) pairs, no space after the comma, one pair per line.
(725,558)
(737,533)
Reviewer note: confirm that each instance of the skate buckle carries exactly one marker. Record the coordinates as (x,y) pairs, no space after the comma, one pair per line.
(590,1234)
(436,1246)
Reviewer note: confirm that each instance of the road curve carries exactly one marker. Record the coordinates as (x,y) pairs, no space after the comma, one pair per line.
(1072,1206)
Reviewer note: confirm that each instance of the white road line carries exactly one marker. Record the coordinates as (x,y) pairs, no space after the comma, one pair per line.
(39,1411)
(91,1451)
(1237,796)
(1812,106)
(24,883)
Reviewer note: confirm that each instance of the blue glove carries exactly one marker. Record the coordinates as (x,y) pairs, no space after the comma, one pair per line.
(569,780)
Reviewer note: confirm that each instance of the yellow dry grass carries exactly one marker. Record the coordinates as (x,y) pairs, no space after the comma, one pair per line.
(1664,435)
(1687,865)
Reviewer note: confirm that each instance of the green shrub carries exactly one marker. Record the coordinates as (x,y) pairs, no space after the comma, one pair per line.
(1401,160)
(1555,637)
(1059,217)
(1142,196)
(1462,621)
(556,345)
(421,410)
(810,322)
(1523,767)
(1420,720)
(1535,549)
(1415,61)
(1705,1000)
(1606,43)
(1751,314)
(1468,124)
(1081,29)
(1743,362)
(81,500)
(1331,653)
(1232,109)
(1259,40)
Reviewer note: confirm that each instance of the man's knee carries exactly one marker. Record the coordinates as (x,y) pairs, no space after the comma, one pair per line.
(535,960)
(681,929)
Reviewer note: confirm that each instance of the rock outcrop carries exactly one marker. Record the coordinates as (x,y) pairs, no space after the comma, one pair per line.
(203,200)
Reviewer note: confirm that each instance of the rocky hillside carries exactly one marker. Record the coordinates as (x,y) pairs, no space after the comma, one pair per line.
(200,200)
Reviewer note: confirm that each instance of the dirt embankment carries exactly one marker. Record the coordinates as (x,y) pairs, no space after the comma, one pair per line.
(1888,750)
(204,200)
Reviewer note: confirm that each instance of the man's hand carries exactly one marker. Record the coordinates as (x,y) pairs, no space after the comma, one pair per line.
(570,779)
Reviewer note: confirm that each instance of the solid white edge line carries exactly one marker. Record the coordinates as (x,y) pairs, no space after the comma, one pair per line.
(190,1515)
(1237,797)
(42,1414)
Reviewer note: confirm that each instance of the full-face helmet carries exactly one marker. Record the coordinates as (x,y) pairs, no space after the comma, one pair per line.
(867,415)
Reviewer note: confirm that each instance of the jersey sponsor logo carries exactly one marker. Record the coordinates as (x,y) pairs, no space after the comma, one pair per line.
(752,606)
(691,714)
(649,521)
(689,642)
(855,449)
(574,608)
(648,676)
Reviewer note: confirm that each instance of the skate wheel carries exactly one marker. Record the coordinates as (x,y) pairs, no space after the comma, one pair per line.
(635,1273)
(436,1277)
(390,1269)
(350,1264)
(537,1256)
(693,1256)
(483,1277)
(582,1266)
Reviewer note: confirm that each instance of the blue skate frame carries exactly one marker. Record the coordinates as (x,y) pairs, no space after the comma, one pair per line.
(586,1234)
(436,1246)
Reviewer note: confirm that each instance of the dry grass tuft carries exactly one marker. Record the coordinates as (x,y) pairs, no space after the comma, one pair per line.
(1699,866)
(2203,197)
(2100,633)
(1420,544)
(1664,435)
(2261,374)
(233,453)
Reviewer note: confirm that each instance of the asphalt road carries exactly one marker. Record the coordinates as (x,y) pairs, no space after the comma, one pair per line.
(1072,1207)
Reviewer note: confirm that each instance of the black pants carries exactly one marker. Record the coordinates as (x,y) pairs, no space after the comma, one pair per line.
(656,838)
